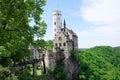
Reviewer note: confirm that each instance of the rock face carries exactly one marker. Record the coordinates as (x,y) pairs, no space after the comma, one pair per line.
(50,61)
(71,69)
(65,50)
(69,65)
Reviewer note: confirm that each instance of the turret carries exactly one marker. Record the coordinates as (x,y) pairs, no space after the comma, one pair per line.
(57,22)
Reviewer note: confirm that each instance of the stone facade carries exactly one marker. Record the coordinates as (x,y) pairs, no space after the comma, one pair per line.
(65,40)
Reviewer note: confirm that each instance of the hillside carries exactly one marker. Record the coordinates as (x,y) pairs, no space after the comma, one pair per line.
(100,63)
(118,47)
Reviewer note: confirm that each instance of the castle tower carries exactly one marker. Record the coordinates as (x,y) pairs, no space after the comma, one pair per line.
(65,47)
(57,22)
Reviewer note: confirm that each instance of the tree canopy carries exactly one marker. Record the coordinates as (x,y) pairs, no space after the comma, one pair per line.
(16,31)
(100,63)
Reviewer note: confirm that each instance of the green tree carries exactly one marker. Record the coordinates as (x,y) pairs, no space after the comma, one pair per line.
(43,45)
(49,45)
(58,73)
(73,55)
(40,44)
(6,74)
(15,31)
(99,63)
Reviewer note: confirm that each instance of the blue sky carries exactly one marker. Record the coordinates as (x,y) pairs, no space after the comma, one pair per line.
(96,22)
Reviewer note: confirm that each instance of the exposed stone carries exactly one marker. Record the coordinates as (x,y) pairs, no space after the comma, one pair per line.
(65,40)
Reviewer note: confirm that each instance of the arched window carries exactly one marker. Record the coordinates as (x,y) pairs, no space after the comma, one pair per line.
(59,38)
(54,23)
(56,44)
(64,44)
(59,44)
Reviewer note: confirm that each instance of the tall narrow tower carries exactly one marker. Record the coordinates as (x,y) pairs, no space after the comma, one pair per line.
(57,22)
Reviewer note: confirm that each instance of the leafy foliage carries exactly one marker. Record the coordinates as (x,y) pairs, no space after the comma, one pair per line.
(58,72)
(49,45)
(73,55)
(43,45)
(6,74)
(17,33)
(24,74)
(100,63)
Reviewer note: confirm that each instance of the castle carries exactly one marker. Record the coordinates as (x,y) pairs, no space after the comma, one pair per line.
(65,41)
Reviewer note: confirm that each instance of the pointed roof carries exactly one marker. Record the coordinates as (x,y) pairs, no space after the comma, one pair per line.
(64,24)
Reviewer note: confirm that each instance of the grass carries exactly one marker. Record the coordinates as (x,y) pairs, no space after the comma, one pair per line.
(39,72)
(40,76)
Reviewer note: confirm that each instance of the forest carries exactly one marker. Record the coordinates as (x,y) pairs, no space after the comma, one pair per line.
(16,34)
(100,63)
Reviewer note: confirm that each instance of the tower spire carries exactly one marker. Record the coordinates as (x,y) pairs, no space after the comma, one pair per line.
(64,24)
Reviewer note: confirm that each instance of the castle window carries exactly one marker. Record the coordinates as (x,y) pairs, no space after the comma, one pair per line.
(55,34)
(59,44)
(56,44)
(54,23)
(64,44)
(59,38)
(58,14)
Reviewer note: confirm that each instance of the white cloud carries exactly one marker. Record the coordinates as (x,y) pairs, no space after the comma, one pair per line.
(105,35)
(101,12)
